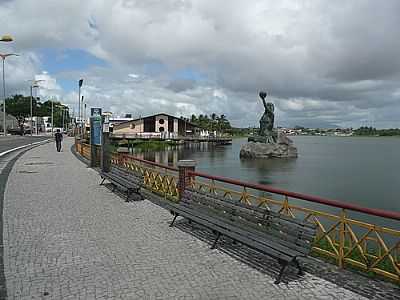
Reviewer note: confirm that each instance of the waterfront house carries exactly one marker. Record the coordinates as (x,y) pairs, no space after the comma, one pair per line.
(161,125)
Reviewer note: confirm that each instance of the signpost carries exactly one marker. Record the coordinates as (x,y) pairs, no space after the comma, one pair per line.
(95,134)
(105,145)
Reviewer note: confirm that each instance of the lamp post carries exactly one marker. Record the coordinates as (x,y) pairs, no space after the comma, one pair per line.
(52,116)
(79,105)
(84,115)
(81,118)
(62,118)
(3,57)
(5,38)
(34,84)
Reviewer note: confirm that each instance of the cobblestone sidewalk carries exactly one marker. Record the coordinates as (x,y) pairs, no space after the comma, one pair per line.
(66,237)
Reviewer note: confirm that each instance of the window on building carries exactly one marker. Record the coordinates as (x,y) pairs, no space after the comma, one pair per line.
(161,121)
(132,126)
(161,129)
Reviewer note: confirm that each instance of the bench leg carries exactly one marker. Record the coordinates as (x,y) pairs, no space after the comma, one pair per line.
(140,194)
(283,267)
(301,271)
(214,245)
(172,223)
(128,193)
(101,183)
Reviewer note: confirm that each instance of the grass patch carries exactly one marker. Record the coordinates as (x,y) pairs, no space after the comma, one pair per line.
(143,145)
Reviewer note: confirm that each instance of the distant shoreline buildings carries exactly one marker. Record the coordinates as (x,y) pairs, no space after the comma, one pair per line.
(317,131)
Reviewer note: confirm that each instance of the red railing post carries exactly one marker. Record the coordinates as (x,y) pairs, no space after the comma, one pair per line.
(184,166)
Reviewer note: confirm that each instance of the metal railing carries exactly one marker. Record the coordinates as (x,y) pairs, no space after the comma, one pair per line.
(343,234)
(84,150)
(158,178)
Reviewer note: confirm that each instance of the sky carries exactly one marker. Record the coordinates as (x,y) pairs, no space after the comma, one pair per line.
(322,63)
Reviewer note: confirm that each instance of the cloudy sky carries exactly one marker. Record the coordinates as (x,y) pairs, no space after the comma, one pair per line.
(323,63)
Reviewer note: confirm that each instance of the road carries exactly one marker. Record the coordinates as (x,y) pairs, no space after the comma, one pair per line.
(13,141)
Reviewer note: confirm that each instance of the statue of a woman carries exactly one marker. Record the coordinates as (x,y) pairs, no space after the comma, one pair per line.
(267,120)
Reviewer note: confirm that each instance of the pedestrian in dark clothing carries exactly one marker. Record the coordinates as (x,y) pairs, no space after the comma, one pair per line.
(59,138)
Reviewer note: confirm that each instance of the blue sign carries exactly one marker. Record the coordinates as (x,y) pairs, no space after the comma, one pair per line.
(95,130)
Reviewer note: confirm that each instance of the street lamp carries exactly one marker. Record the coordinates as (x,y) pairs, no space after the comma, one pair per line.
(6,38)
(64,116)
(52,116)
(83,126)
(34,84)
(79,104)
(3,57)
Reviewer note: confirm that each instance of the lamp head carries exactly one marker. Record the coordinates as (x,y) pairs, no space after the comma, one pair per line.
(6,38)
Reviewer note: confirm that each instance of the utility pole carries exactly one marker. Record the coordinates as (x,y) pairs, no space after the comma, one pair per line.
(52,117)
(84,117)
(62,116)
(79,105)
(31,111)
(83,126)
(3,57)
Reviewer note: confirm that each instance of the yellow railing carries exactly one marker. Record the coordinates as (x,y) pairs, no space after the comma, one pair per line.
(348,241)
(85,150)
(159,179)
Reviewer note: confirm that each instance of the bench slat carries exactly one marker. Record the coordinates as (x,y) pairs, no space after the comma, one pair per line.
(254,208)
(257,233)
(274,223)
(224,224)
(269,249)
(121,181)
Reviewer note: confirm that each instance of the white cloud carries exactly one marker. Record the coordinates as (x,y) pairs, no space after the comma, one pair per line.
(318,59)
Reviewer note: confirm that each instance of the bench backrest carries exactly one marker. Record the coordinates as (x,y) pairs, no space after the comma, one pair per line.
(127,174)
(287,231)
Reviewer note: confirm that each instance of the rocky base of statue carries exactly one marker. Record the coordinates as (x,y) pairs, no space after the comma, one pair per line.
(256,148)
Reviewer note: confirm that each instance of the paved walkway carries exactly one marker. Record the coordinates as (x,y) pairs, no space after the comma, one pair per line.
(66,237)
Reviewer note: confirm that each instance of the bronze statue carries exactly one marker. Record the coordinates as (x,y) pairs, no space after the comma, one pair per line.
(269,143)
(267,120)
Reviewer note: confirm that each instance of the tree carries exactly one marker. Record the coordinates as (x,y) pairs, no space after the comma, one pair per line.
(19,107)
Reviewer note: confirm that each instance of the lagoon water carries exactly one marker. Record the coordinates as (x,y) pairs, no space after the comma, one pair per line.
(359,170)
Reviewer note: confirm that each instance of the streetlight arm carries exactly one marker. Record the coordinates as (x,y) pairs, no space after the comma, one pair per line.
(4,56)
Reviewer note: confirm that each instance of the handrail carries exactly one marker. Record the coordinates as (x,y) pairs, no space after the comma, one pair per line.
(151,163)
(310,198)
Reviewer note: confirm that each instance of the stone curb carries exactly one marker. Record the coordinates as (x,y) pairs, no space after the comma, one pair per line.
(24,146)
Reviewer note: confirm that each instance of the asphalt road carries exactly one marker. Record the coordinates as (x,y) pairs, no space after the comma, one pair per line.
(10,142)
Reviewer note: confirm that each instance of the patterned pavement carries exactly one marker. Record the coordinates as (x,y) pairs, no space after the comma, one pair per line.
(66,237)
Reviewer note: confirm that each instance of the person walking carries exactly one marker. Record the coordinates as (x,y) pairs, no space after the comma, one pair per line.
(58,136)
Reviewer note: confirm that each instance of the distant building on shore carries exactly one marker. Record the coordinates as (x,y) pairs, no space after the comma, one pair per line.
(159,125)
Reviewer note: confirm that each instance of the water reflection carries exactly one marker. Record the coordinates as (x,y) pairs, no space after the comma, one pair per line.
(170,155)
(267,170)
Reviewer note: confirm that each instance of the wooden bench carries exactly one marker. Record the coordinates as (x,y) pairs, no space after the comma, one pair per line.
(272,233)
(125,180)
